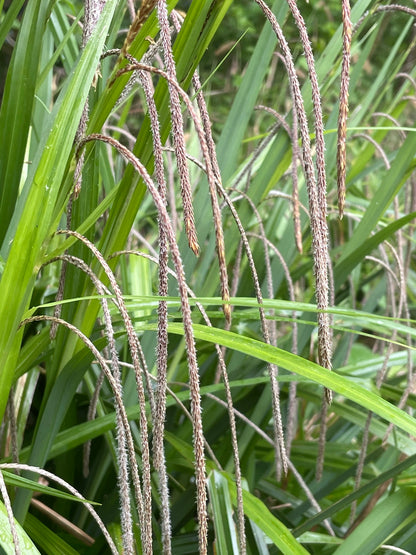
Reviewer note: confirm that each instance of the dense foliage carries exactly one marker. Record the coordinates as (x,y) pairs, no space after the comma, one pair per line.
(206,345)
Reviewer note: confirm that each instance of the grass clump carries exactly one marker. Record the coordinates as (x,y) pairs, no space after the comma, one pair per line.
(206,301)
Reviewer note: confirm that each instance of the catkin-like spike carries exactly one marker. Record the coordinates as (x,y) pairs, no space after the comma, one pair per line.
(211,158)
(328,396)
(343,106)
(227,307)
(177,128)
(142,14)
(190,231)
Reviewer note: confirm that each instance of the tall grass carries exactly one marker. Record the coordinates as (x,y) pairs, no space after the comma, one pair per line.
(205,342)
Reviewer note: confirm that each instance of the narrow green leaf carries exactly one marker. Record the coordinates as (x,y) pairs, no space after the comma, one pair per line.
(385,519)
(363,245)
(21,482)
(257,511)
(347,501)
(54,412)
(6,540)
(47,540)
(34,225)
(222,513)
(229,144)
(305,368)
(389,188)
(17,104)
(9,18)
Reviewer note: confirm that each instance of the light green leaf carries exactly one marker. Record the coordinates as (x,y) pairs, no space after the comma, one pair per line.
(385,519)
(222,513)
(6,540)
(257,511)
(305,368)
